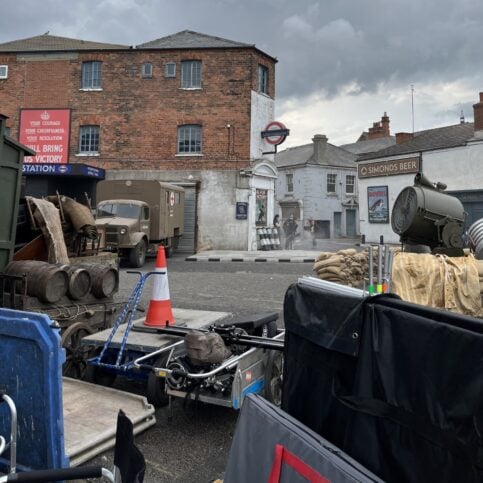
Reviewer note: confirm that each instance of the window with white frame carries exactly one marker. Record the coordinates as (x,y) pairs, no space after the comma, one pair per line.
(3,71)
(91,75)
(189,139)
(350,184)
(170,69)
(262,79)
(89,140)
(331,181)
(289,179)
(191,74)
(147,70)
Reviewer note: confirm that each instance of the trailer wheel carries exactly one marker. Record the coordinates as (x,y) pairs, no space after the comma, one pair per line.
(155,387)
(137,255)
(274,377)
(76,355)
(267,330)
(97,375)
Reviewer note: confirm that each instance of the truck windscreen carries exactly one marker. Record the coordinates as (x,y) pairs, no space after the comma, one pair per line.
(123,210)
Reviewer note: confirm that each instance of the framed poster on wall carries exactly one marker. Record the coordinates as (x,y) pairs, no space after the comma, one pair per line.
(378,204)
(261,208)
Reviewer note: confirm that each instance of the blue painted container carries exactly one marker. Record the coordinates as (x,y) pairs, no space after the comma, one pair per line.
(31,373)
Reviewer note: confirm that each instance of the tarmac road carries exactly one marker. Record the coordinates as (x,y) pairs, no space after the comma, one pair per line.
(194,445)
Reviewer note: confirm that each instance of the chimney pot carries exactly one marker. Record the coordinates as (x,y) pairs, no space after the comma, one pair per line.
(320,146)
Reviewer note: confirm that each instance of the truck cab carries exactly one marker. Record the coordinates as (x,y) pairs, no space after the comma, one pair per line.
(124,227)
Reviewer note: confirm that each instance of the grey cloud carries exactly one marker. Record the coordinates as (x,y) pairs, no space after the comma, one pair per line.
(323,46)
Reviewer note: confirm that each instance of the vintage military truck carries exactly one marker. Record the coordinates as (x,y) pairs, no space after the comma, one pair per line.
(135,217)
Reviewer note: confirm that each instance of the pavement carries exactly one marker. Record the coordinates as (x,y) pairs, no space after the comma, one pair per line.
(302,253)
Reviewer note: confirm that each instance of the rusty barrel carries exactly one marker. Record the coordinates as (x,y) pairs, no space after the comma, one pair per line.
(46,281)
(104,278)
(80,283)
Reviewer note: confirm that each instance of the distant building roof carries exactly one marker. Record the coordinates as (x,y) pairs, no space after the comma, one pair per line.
(428,140)
(187,39)
(46,42)
(369,145)
(303,155)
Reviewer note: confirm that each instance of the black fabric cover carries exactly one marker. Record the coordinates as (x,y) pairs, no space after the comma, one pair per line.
(262,426)
(397,386)
(127,457)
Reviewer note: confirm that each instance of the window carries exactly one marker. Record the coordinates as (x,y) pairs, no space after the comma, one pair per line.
(289,178)
(350,184)
(3,71)
(7,131)
(170,69)
(191,74)
(91,75)
(331,180)
(89,140)
(147,69)
(262,79)
(189,139)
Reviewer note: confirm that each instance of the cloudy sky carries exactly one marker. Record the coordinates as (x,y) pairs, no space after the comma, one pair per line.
(342,63)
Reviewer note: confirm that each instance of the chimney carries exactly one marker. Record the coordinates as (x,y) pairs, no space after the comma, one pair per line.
(380,129)
(478,113)
(385,125)
(402,137)
(320,146)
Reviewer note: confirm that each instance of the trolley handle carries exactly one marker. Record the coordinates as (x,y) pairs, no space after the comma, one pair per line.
(40,476)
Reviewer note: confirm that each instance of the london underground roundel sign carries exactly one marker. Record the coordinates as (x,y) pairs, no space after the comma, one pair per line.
(275,133)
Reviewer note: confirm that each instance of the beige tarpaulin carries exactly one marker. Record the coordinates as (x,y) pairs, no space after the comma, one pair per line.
(440,281)
(47,216)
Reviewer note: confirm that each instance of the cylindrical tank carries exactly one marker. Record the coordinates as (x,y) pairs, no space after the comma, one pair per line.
(417,210)
(79,281)
(475,233)
(104,278)
(45,281)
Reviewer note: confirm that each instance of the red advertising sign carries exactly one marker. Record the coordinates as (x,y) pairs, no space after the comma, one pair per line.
(46,131)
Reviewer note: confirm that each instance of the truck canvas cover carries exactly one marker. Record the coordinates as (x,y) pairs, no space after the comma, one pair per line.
(395,385)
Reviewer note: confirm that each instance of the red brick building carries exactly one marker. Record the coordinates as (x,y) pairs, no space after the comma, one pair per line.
(186,108)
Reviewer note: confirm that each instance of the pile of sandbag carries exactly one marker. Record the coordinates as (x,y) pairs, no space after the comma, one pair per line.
(347,267)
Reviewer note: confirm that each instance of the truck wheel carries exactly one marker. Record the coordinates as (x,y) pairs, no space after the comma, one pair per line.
(155,387)
(168,250)
(137,255)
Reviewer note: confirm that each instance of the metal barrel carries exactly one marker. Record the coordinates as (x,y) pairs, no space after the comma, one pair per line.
(475,234)
(104,278)
(46,281)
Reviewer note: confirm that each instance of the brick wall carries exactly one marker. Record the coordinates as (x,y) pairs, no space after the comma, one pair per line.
(139,117)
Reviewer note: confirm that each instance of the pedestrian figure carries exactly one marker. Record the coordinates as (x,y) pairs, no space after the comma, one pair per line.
(278,228)
(289,228)
(312,232)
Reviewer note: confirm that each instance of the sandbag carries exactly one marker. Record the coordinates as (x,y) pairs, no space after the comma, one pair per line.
(205,348)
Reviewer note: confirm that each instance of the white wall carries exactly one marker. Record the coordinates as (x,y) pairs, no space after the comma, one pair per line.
(460,168)
(262,112)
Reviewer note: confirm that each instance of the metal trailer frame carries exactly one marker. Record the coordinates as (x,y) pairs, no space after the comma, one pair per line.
(252,368)
(252,371)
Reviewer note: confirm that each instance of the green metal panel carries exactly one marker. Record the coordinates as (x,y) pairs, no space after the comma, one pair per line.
(11,158)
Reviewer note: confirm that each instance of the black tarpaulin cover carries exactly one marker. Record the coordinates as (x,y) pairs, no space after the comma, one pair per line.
(397,386)
(270,446)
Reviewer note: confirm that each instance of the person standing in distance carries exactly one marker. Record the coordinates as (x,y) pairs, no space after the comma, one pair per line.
(289,228)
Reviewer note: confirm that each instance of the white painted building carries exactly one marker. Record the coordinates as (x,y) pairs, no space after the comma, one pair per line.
(452,155)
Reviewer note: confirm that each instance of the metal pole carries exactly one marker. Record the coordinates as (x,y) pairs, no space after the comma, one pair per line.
(379,269)
(370,288)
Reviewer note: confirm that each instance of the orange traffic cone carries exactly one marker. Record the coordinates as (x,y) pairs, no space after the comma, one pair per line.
(159,311)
